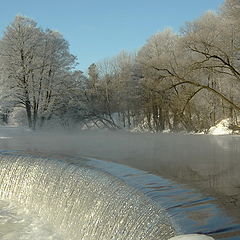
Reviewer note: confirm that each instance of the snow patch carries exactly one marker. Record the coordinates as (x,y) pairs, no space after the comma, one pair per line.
(222,128)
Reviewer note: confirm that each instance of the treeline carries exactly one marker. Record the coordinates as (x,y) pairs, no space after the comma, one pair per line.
(176,81)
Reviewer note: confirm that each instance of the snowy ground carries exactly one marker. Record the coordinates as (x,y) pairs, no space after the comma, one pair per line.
(222,128)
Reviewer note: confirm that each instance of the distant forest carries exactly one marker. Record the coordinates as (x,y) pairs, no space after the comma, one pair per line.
(185,81)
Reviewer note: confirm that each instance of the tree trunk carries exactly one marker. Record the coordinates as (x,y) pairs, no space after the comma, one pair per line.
(29,113)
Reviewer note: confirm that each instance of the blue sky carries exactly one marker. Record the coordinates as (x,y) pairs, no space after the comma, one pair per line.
(97,29)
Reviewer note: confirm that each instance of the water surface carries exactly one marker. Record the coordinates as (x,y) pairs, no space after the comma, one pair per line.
(207,166)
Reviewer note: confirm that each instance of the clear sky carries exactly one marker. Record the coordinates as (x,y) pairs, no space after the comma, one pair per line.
(97,29)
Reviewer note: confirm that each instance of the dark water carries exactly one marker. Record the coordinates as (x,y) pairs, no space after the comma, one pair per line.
(200,175)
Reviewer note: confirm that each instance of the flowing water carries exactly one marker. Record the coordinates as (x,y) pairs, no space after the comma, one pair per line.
(192,211)
(85,198)
(78,202)
(93,199)
(17,224)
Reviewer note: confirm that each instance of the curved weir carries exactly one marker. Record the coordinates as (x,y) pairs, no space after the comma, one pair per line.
(81,202)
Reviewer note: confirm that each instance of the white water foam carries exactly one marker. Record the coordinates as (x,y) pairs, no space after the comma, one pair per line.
(80,202)
(17,224)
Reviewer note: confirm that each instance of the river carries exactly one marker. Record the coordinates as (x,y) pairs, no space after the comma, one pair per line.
(194,177)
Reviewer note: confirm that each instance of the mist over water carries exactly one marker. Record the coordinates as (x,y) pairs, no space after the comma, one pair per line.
(210,164)
(183,156)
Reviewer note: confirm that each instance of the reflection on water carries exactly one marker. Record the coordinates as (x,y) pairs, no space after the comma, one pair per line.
(191,210)
(208,163)
(91,193)
(215,171)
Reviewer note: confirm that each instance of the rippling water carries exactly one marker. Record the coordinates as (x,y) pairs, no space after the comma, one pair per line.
(17,224)
(192,211)
(80,202)
(189,210)
(203,195)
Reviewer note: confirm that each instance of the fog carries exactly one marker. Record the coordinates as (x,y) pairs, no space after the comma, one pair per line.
(210,163)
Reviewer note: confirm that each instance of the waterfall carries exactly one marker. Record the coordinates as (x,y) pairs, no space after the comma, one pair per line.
(81,202)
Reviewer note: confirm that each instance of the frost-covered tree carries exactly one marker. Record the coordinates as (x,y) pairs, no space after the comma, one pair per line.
(157,59)
(35,64)
(213,44)
(194,77)
(231,10)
